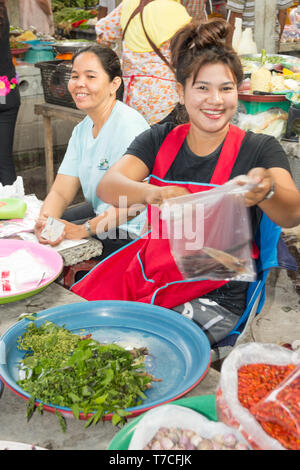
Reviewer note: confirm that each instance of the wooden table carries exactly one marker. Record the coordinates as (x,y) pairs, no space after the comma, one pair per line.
(48,111)
(44,430)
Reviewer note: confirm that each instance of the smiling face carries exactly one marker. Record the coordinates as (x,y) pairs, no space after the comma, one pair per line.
(211,100)
(89,84)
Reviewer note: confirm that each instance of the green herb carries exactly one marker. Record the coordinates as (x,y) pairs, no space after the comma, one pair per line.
(90,378)
(264,58)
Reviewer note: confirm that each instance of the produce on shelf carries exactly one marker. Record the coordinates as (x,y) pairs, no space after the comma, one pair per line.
(66,18)
(14,44)
(26,36)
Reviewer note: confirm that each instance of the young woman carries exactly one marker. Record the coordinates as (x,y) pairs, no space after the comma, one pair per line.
(207,150)
(9,102)
(96,143)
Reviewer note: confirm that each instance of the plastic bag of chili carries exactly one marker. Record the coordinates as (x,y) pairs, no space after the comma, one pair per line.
(248,374)
(282,405)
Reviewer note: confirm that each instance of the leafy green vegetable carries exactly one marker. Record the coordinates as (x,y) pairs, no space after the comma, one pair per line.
(265,58)
(66,370)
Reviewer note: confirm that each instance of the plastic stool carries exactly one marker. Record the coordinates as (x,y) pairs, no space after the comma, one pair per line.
(70,272)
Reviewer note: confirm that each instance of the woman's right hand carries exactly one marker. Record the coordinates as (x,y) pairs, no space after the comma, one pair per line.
(39,227)
(157,195)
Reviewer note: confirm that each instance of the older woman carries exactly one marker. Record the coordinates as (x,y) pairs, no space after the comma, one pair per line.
(181,159)
(96,143)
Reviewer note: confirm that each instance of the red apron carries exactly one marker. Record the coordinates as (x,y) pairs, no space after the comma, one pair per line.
(145,270)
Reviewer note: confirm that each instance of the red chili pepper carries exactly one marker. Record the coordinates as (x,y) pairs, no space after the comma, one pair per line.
(283,405)
(255,382)
(78,23)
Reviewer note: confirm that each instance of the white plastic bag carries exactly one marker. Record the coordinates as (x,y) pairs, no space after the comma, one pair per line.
(247,45)
(210,234)
(174,416)
(272,122)
(229,408)
(237,34)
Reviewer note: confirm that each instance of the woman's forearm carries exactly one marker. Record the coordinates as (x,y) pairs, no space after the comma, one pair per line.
(285,214)
(121,191)
(113,217)
(54,205)
(284,206)
(61,195)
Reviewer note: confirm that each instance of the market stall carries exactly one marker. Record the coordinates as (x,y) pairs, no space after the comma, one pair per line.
(218,410)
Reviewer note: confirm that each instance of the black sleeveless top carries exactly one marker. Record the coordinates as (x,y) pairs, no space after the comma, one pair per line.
(6,64)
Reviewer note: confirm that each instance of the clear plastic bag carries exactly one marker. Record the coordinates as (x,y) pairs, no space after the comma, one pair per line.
(272,122)
(210,233)
(282,405)
(234,410)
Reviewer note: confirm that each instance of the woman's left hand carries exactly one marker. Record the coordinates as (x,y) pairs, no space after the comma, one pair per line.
(74,231)
(264,183)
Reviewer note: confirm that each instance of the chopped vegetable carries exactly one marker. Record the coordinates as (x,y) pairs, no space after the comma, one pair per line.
(14,44)
(66,370)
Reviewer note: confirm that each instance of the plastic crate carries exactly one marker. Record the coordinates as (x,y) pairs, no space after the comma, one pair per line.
(254,104)
(55,76)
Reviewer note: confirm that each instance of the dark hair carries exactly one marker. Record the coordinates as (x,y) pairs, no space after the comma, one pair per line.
(197,44)
(109,61)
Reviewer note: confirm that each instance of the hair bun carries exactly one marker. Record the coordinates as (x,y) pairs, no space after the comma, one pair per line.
(212,32)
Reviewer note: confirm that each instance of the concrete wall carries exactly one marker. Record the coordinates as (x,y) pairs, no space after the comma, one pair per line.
(29,134)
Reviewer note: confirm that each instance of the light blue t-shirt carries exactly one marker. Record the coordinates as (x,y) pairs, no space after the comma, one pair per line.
(88,158)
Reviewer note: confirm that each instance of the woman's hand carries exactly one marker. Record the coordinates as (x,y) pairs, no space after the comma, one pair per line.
(71,231)
(157,195)
(39,227)
(263,183)
(74,231)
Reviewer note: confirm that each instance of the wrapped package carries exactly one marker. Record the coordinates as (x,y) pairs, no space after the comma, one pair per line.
(12,208)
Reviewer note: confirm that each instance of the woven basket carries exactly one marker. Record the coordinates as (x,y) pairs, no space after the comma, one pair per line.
(55,76)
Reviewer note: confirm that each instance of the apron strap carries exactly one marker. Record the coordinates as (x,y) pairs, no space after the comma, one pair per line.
(174,140)
(169,149)
(228,155)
